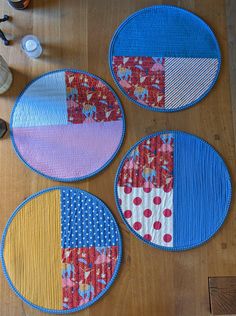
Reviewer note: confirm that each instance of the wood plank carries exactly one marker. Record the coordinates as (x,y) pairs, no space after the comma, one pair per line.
(222,293)
(77,33)
(231,32)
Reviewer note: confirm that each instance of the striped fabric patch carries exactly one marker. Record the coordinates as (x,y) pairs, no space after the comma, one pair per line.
(187,79)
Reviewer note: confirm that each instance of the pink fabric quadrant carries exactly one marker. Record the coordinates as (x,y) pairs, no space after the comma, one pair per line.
(68,151)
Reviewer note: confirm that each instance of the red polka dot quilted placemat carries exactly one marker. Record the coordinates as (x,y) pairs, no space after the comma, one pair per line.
(173,190)
(61,250)
(164,58)
(67,125)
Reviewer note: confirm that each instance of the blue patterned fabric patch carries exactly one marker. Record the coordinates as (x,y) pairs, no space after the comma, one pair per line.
(85,222)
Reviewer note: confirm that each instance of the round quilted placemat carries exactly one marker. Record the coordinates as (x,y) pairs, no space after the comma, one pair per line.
(67,125)
(173,190)
(164,58)
(61,250)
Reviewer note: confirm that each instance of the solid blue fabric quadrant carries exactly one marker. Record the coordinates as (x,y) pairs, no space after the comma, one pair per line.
(165,31)
(202,191)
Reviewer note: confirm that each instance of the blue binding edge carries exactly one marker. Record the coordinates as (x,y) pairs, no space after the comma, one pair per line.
(54,311)
(110,55)
(173,249)
(76,178)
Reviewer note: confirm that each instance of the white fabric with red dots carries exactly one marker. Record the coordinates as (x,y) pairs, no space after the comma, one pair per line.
(150,214)
(145,189)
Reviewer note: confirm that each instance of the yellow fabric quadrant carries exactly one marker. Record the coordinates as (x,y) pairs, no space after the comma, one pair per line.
(32,251)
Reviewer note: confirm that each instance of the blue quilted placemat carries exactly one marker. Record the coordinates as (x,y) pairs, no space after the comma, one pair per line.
(67,125)
(164,58)
(173,190)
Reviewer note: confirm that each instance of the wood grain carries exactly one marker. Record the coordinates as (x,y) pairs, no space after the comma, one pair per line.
(231,28)
(222,291)
(32,251)
(77,33)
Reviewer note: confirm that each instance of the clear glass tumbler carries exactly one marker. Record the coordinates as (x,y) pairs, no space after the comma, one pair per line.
(31,46)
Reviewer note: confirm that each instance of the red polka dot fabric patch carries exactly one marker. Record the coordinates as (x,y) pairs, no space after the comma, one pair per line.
(173,190)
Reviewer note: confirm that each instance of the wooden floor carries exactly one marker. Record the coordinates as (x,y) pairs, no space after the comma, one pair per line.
(76,33)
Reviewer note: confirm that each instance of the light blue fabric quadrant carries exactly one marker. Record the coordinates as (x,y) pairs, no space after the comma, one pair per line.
(45,97)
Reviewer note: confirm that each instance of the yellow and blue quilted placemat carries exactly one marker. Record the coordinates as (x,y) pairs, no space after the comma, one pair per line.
(164,58)
(61,250)
(173,190)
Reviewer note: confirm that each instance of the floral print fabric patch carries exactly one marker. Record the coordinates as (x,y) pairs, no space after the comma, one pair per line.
(149,165)
(143,78)
(89,100)
(85,273)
